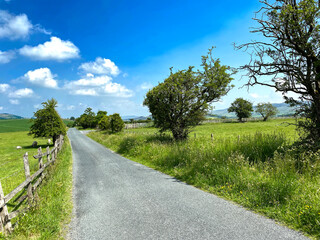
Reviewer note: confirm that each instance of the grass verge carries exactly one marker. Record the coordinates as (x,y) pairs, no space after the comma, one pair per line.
(257,171)
(52,213)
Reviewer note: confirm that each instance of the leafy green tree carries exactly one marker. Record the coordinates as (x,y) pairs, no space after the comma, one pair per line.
(242,108)
(104,123)
(116,123)
(183,99)
(289,57)
(47,122)
(88,119)
(266,110)
(72,118)
(100,115)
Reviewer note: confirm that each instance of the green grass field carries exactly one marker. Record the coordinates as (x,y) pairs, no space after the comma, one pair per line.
(257,170)
(54,204)
(19,125)
(15,125)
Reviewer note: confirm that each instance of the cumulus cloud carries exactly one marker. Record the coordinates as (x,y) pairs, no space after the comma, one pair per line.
(55,49)
(14,27)
(146,86)
(6,57)
(90,80)
(1,108)
(254,95)
(97,86)
(42,77)
(100,66)
(14,101)
(87,92)
(21,93)
(4,87)
(117,89)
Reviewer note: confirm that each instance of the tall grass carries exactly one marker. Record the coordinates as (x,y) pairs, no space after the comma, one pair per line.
(52,213)
(258,170)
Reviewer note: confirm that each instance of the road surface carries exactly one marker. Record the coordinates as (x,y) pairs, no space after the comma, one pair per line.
(115,198)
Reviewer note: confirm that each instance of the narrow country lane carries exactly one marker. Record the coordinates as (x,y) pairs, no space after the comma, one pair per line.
(115,198)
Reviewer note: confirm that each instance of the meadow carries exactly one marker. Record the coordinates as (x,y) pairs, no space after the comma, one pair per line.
(54,205)
(252,164)
(15,125)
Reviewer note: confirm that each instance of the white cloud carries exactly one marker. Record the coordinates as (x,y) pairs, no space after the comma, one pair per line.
(21,93)
(6,57)
(97,86)
(37,106)
(55,49)
(91,81)
(254,95)
(117,89)
(100,66)
(87,92)
(14,27)
(146,86)
(4,87)
(1,108)
(42,77)
(14,101)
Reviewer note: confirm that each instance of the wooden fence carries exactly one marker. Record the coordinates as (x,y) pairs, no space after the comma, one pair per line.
(30,185)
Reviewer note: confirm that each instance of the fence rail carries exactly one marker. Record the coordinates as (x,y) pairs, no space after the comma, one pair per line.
(30,185)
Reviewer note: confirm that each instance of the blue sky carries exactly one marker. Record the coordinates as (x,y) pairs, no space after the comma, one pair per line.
(107,54)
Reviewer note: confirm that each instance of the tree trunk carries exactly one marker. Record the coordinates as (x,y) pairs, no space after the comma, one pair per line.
(54,138)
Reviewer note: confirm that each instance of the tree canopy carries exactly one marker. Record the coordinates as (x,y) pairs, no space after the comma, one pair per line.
(104,123)
(47,122)
(183,99)
(290,57)
(116,123)
(266,110)
(242,108)
(87,119)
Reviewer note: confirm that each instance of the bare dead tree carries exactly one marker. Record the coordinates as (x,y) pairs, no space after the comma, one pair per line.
(290,56)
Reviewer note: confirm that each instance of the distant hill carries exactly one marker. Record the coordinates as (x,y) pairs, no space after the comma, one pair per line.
(136,118)
(284,110)
(9,116)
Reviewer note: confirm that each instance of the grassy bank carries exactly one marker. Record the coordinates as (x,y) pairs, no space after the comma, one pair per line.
(256,170)
(11,161)
(14,125)
(19,125)
(49,218)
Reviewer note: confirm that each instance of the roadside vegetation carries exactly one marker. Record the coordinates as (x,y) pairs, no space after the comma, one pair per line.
(48,217)
(253,164)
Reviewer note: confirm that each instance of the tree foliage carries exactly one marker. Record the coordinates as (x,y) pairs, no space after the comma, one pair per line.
(290,56)
(242,108)
(104,123)
(47,122)
(266,110)
(100,115)
(87,119)
(183,99)
(116,123)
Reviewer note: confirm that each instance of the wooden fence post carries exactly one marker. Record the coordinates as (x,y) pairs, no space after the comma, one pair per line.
(238,139)
(211,136)
(40,157)
(55,150)
(5,224)
(48,154)
(27,174)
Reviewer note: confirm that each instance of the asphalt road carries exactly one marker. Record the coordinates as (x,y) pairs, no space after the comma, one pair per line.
(115,198)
